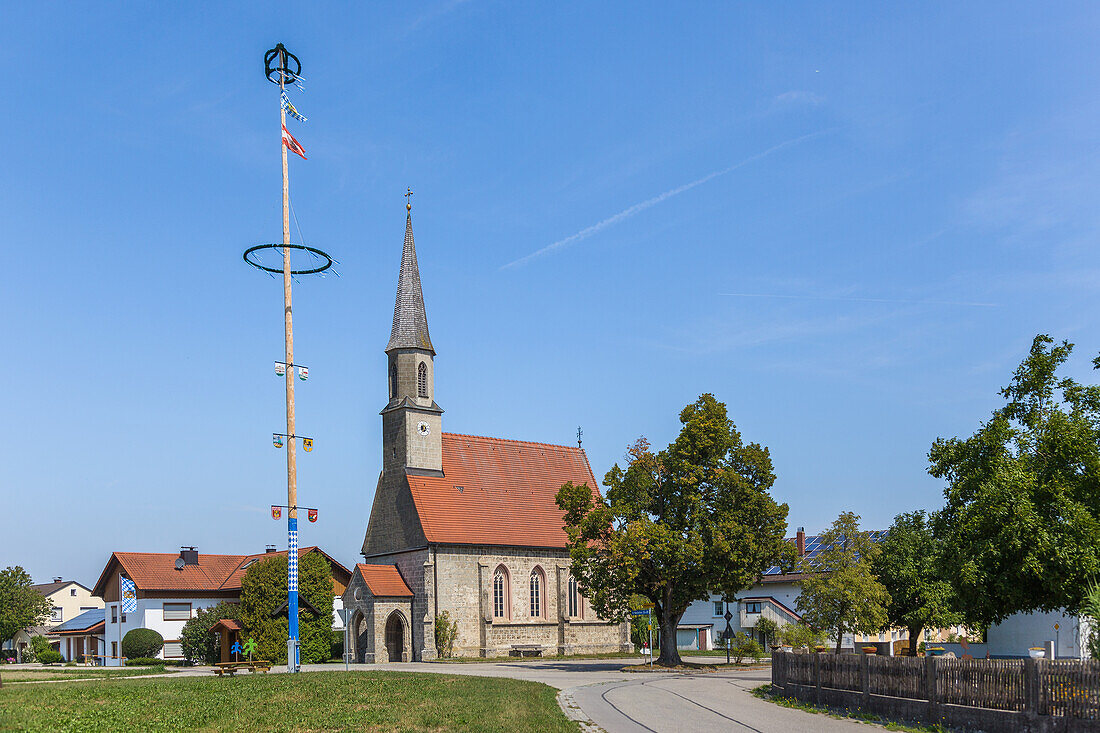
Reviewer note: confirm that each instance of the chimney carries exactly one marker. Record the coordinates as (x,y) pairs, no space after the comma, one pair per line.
(189,555)
(269,549)
(800,541)
(57,579)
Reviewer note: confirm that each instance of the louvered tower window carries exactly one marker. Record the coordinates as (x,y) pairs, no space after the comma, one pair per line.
(393,379)
(422,380)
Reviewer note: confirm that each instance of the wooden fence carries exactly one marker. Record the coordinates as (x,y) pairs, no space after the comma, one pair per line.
(994,695)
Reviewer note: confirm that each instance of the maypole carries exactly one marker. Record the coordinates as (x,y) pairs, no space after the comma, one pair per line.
(283,67)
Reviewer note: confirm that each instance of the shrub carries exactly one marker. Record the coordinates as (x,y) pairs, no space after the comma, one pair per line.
(263,590)
(768,629)
(141,643)
(746,646)
(445,632)
(200,646)
(49,656)
(799,635)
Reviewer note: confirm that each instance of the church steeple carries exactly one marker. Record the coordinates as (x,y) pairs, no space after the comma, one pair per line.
(410,322)
(412,421)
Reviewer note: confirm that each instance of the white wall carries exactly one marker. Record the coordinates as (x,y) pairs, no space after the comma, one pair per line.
(150,615)
(1013,636)
(702,612)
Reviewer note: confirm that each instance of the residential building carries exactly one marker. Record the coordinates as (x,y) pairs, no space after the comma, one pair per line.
(171,588)
(80,637)
(68,599)
(463,524)
(1067,634)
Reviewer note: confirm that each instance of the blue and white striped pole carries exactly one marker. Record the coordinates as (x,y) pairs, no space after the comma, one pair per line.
(293,658)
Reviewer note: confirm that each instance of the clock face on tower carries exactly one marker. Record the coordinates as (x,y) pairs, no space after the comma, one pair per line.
(423,428)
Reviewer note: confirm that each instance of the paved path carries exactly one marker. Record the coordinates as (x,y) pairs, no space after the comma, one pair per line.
(597,690)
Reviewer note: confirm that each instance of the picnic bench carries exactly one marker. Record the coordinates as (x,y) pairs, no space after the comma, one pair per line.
(232,668)
(527,650)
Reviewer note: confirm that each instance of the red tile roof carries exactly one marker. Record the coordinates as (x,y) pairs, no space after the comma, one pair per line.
(384,581)
(498,492)
(156,571)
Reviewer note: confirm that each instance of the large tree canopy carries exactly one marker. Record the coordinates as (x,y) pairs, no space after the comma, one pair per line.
(264,590)
(679,525)
(908,565)
(840,593)
(21,606)
(1022,518)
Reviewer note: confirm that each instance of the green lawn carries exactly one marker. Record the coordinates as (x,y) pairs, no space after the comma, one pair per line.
(67,673)
(312,701)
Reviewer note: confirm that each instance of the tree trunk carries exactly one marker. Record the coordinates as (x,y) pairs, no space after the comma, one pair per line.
(670,655)
(839,636)
(914,639)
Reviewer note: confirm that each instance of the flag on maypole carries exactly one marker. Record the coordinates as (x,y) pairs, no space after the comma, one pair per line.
(290,108)
(293,145)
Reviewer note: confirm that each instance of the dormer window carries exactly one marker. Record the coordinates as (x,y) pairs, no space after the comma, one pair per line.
(422,380)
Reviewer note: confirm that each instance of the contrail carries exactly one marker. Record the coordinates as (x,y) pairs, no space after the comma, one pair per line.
(861,300)
(636,208)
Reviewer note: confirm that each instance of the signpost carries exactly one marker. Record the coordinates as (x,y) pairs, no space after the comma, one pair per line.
(728,633)
(647,611)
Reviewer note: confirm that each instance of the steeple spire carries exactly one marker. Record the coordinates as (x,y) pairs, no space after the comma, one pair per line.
(410,322)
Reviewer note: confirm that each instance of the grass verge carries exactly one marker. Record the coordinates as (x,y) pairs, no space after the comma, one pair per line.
(764,693)
(311,701)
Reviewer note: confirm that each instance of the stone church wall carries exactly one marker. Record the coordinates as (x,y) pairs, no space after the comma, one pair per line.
(464,577)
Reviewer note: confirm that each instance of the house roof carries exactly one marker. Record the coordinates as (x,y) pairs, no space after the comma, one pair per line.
(384,581)
(410,322)
(156,571)
(498,492)
(814,547)
(48,589)
(84,623)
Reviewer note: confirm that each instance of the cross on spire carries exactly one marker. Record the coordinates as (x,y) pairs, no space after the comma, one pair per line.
(408,201)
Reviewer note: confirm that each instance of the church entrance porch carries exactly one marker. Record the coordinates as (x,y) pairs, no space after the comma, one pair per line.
(395,638)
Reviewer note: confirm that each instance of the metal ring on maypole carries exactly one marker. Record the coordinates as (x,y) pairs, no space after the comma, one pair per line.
(279,270)
(282,73)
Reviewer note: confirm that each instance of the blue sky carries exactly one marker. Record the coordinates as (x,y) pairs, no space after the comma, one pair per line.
(846,221)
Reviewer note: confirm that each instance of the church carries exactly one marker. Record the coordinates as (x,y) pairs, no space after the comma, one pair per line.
(463,524)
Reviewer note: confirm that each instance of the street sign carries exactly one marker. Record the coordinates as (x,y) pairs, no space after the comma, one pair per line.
(646,605)
(640,612)
(728,615)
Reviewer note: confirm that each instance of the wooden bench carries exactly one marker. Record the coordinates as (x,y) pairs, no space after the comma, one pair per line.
(231,668)
(527,650)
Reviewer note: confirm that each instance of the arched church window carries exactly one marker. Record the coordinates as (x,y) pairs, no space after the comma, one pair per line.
(501,593)
(538,583)
(393,379)
(574,598)
(422,380)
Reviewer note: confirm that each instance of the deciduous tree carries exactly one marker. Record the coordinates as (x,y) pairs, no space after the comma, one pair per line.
(1021,524)
(21,606)
(678,525)
(908,566)
(840,593)
(264,590)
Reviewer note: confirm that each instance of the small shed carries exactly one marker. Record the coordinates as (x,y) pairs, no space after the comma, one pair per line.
(229,632)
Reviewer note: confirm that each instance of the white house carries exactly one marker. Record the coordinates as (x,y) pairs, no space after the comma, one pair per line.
(1020,631)
(171,588)
(774,597)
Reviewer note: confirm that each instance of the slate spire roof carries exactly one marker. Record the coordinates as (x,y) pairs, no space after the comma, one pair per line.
(410,322)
